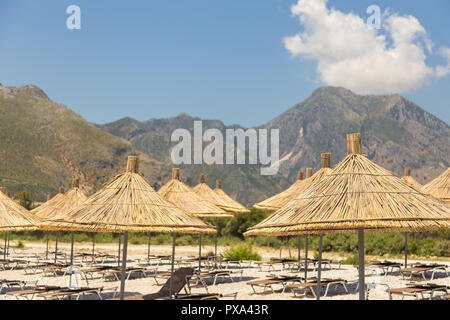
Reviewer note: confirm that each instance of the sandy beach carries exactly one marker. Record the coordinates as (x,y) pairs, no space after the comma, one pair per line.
(138,284)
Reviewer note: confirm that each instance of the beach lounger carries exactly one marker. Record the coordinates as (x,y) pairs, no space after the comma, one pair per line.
(269,264)
(114,273)
(214,275)
(4,283)
(208,296)
(418,290)
(66,292)
(268,283)
(422,269)
(311,285)
(180,279)
(385,266)
(32,292)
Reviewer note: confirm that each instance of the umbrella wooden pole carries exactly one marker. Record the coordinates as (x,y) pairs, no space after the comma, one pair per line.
(319,268)
(298,251)
(124,265)
(118,254)
(200,253)
(306,257)
(174,236)
(46,249)
(71,251)
(56,246)
(148,249)
(362,285)
(406,249)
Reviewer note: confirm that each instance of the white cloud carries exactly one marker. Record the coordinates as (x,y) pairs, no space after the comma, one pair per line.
(351,54)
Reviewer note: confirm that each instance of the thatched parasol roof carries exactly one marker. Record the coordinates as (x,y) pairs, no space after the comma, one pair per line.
(279,200)
(218,197)
(128,203)
(52,207)
(73,198)
(14,217)
(356,193)
(184,197)
(408,179)
(439,187)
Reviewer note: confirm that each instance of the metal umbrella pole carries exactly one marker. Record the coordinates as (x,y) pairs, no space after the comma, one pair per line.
(174,236)
(4,247)
(319,268)
(56,246)
(406,249)
(298,251)
(148,250)
(200,253)
(124,265)
(7,248)
(93,246)
(306,257)
(362,285)
(118,254)
(46,249)
(71,251)
(215,239)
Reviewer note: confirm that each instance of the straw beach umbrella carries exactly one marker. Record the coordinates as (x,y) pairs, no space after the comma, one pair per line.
(439,187)
(408,179)
(127,203)
(356,196)
(185,198)
(281,199)
(48,210)
(277,201)
(14,217)
(60,207)
(220,199)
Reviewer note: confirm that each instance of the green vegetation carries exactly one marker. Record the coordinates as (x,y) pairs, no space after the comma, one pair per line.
(242,252)
(19,245)
(25,199)
(426,244)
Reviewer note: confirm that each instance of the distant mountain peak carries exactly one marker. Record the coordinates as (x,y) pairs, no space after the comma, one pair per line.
(26,89)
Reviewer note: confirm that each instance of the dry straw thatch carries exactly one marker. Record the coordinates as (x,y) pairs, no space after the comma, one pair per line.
(439,187)
(277,201)
(355,194)
(52,207)
(128,203)
(218,197)
(14,217)
(409,180)
(184,197)
(72,199)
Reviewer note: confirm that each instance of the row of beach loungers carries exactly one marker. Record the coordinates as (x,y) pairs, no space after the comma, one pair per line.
(213,268)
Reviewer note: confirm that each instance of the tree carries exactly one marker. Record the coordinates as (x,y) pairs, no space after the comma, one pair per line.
(26,199)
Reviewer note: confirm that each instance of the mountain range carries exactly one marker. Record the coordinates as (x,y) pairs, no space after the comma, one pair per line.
(43,143)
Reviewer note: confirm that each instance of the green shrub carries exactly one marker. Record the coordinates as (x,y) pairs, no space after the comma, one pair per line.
(353,260)
(19,245)
(242,252)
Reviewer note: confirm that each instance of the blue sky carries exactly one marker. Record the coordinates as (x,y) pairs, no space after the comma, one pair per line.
(213,59)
